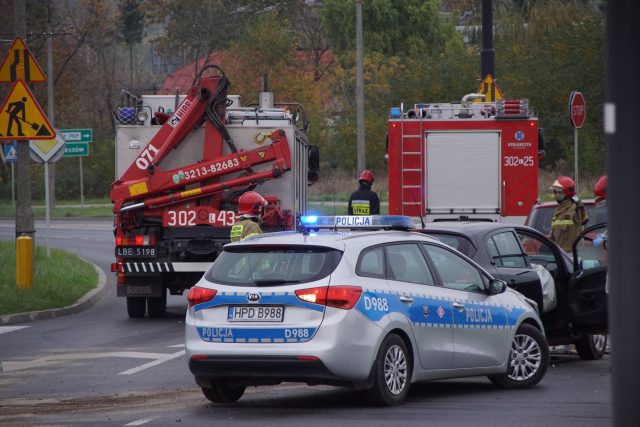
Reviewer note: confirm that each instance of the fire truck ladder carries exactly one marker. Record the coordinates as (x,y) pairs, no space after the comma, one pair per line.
(413,160)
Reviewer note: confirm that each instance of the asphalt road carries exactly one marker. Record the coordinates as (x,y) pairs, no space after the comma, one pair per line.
(99,367)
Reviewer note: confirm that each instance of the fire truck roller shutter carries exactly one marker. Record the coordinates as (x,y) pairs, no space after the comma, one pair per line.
(463,171)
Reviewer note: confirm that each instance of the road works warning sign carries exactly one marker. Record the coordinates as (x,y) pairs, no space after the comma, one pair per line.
(19,64)
(22,118)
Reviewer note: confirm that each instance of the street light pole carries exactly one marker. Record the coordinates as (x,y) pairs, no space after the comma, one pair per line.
(360,88)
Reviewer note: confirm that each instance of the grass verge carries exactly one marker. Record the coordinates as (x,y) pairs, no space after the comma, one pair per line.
(60,280)
(93,208)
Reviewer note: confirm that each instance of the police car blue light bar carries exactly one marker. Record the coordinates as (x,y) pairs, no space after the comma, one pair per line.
(314,222)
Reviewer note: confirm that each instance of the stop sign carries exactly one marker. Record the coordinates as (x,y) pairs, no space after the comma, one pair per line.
(577,109)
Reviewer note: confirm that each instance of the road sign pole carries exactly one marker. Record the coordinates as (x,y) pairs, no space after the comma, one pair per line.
(577,116)
(81,186)
(46,206)
(13,188)
(575,155)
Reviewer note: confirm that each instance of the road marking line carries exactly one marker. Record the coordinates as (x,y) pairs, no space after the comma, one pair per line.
(177,345)
(141,421)
(154,363)
(6,329)
(62,358)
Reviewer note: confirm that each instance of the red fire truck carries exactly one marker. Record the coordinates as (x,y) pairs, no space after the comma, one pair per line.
(470,158)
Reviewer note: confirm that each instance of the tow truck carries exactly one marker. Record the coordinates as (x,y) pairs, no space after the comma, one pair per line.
(179,173)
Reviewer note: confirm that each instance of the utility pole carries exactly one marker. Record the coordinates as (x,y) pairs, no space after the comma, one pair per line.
(24,213)
(362,162)
(51,173)
(487,54)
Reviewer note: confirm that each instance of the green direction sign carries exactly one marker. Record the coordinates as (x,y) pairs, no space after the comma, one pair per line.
(76,135)
(76,149)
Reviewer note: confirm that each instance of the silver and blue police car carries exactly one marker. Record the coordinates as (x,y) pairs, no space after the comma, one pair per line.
(359,302)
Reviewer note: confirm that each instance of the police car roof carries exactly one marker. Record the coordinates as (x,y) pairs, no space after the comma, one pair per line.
(333,239)
(339,236)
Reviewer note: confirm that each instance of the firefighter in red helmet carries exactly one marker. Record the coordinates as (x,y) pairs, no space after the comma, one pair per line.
(570,215)
(602,240)
(364,201)
(250,207)
(600,191)
(600,194)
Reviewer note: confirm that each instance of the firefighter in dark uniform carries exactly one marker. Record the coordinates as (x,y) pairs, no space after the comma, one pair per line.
(364,201)
(570,215)
(250,208)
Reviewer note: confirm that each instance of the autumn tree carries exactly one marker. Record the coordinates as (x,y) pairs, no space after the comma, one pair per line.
(404,43)
(546,53)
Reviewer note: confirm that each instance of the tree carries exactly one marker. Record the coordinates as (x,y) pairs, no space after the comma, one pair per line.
(131,28)
(410,27)
(194,29)
(544,54)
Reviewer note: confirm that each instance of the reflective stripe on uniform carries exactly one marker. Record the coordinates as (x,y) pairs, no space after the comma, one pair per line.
(361,207)
(562,222)
(236,230)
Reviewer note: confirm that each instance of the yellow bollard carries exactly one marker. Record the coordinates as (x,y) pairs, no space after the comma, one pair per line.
(24,261)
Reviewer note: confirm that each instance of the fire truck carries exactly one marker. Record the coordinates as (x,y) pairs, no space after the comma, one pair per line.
(181,164)
(470,159)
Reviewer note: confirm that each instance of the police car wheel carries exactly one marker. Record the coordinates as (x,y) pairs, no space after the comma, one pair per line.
(591,347)
(391,372)
(528,360)
(136,306)
(221,392)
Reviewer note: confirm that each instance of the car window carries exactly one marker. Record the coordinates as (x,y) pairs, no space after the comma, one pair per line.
(407,264)
(539,252)
(371,263)
(597,214)
(457,242)
(543,221)
(592,248)
(505,250)
(455,271)
(270,266)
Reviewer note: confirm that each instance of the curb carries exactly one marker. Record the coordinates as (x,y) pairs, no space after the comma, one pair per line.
(88,300)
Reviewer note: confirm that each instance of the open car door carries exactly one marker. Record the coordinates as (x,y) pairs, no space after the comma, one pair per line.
(587,293)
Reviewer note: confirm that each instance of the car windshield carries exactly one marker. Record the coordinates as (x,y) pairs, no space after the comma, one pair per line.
(272,266)
(456,241)
(597,215)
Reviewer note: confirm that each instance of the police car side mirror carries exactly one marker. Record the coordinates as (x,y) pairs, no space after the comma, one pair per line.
(497,286)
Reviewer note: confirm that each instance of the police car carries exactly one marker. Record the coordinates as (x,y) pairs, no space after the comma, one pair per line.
(359,302)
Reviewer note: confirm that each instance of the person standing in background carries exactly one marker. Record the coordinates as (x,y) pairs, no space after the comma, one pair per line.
(364,201)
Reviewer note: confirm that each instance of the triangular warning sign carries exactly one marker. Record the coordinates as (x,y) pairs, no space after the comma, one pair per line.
(19,64)
(489,89)
(261,154)
(22,118)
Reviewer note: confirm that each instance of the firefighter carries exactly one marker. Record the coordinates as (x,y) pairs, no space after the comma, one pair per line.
(364,201)
(250,207)
(600,194)
(570,215)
